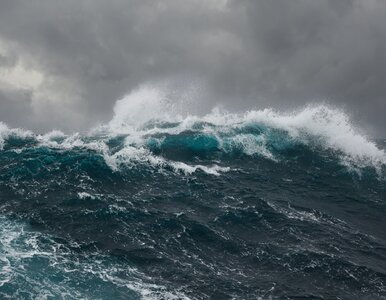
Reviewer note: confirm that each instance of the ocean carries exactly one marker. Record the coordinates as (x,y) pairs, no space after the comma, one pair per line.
(254,205)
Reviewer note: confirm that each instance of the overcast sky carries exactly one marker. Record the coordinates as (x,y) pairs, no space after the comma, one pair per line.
(63,64)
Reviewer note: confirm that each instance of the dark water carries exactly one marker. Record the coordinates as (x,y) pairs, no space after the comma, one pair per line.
(190,215)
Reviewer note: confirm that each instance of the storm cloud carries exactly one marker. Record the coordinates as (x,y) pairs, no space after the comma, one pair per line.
(63,64)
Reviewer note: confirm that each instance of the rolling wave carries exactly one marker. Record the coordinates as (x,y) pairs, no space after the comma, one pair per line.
(146,130)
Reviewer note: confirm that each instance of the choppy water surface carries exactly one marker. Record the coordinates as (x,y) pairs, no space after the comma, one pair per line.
(224,206)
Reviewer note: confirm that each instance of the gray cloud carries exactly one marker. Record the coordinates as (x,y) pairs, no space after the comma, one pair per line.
(249,53)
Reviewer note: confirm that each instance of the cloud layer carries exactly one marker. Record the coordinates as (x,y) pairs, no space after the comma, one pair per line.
(63,64)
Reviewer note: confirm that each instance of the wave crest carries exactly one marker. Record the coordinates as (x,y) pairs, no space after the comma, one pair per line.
(148,112)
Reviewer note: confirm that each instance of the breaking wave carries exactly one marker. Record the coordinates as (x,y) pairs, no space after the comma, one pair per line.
(148,129)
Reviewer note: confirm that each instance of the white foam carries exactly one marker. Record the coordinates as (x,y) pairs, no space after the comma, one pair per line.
(332,127)
(131,156)
(70,142)
(54,134)
(6,132)
(188,169)
(85,195)
(250,144)
(328,127)
(132,153)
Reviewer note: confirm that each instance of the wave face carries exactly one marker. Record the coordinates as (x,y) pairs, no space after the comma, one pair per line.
(163,205)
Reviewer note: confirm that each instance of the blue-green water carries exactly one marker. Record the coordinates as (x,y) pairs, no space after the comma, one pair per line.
(200,209)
